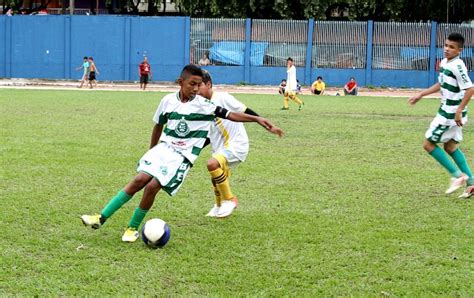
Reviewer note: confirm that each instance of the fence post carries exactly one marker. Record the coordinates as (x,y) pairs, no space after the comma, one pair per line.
(248,31)
(8,47)
(368,69)
(127,46)
(67,47)
(432,73)
(309,52)
(187,41)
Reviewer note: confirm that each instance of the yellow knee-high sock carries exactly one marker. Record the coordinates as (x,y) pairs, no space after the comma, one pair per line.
(296,99)
(217,194)
(222,183)
(286,102)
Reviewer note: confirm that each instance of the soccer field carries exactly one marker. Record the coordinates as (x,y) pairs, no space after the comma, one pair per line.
(348,203)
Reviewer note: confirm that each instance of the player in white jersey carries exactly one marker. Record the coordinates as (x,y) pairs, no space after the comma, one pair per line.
(291,86)
(456,90)
(182,124)
(229,144)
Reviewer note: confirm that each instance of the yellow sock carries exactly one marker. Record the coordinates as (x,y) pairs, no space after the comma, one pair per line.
(217,195)
(222,183)
(297,100)
(285,102)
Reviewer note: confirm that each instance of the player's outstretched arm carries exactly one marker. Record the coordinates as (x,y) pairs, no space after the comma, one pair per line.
(415,98)
(265,123)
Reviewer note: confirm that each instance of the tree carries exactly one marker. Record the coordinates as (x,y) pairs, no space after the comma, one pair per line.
(388,10)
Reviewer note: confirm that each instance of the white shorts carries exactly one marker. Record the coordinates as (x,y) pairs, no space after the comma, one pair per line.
(440,133)
(166,165)
(231,157)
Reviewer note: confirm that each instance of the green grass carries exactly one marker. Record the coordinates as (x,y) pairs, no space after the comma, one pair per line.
(348,203)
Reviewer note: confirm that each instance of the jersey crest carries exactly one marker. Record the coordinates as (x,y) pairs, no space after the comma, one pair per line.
(182,128)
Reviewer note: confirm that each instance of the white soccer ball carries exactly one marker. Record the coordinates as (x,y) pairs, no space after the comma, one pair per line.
(156,233)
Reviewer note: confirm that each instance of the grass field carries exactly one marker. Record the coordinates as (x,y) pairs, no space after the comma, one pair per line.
(348,203)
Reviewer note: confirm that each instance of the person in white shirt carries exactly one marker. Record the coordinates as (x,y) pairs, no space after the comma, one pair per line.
(229,144)
(291,86)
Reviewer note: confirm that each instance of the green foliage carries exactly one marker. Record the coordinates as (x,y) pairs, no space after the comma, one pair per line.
(393,10)
(347,204)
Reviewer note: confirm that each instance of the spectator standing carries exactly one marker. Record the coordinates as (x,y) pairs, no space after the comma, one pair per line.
(85,74)
(144,71)
(93,71)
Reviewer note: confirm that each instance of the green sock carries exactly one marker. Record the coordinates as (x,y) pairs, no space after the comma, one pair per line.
(444,160)
(461,162)
(137,218)
(115,203)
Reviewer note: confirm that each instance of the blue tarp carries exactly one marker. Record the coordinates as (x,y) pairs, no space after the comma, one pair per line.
(232,52)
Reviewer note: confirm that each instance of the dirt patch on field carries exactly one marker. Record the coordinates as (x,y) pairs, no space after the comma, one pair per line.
(170,87)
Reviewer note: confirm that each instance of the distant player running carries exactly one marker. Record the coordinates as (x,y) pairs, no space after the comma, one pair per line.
(291,86)
(456,90)
(230,146)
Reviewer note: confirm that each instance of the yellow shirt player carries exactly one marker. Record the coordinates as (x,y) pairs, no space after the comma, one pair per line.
(291,86)
(318,86)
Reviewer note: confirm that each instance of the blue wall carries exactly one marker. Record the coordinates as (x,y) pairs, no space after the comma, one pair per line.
(52,47)
(3,46)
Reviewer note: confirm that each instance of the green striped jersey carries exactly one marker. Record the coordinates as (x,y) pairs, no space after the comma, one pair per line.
(187,124)
(454,80)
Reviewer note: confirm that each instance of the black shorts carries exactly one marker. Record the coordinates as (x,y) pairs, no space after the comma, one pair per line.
(317,92)
(144,79)
(92,76)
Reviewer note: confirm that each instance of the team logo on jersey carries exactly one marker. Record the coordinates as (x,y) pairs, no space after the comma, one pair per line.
(463,75)
(164,170)
(182,129)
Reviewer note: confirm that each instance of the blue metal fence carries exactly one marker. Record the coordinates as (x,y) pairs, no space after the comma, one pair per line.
(339,44)
(276,40)
(467,55)
(221,41)
(401,46)
(239,50)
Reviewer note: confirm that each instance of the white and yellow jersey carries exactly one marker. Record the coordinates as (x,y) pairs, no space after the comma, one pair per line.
(226,135)
(291,83)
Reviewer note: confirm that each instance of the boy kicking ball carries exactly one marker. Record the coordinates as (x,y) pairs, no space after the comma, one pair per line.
(456,90)
(182,124)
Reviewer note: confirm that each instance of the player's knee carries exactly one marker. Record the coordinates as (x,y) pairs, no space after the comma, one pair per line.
(140,180)
(428,146)
(212,164)
(153,186)
(450,147)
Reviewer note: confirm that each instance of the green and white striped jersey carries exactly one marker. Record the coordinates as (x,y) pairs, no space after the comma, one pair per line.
(187,123)
(454,80)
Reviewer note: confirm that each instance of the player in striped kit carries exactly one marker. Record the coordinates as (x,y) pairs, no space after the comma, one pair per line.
(230,146)
(182,123)
(456,90)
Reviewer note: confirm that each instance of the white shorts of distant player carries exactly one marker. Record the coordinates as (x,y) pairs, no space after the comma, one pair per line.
(439,132)
(166,165)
